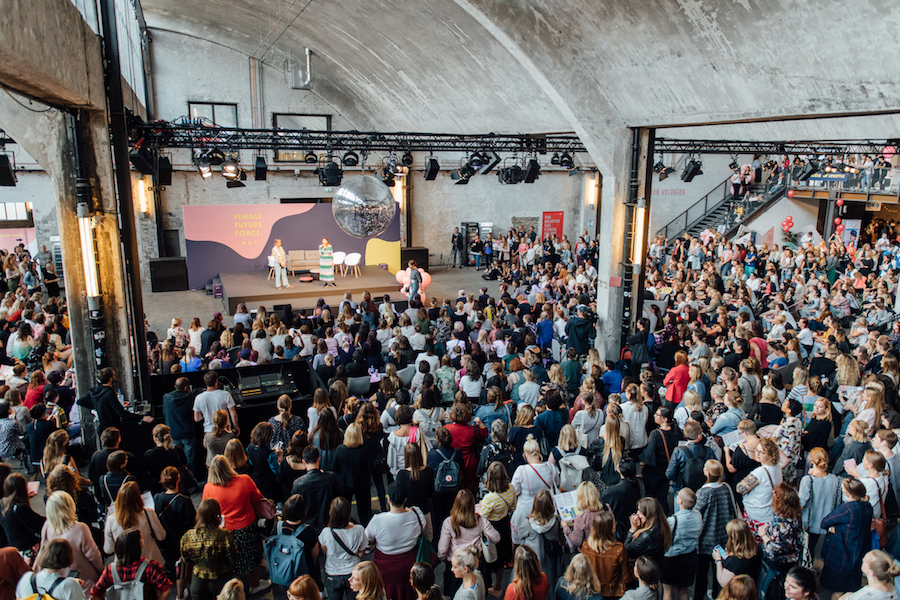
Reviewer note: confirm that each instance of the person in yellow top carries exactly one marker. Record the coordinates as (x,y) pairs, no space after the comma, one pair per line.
(497,507)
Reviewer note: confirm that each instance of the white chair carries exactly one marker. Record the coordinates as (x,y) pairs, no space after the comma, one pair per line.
(352,261)
(271,268)
(339,261)
(359,386)
(406,375)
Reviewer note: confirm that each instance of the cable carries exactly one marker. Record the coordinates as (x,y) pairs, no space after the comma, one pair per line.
(285,30)
(5,89)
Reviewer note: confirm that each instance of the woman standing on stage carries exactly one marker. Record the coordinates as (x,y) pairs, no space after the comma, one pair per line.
(326,263)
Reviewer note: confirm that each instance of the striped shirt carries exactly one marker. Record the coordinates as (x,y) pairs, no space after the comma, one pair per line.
(496,506)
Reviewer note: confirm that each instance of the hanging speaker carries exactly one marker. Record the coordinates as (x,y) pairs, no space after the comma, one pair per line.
(261,169)
(164,174)
(431,169)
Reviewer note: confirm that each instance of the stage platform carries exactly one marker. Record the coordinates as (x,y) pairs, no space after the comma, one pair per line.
(254,289)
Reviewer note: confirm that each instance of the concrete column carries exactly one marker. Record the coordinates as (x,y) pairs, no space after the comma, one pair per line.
(611,232)
(46,136)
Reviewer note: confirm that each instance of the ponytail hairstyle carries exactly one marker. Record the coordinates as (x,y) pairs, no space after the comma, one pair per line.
(883,566)
(819,458)
(220,422)
(876,459)
(421,576)
(284,411)
(648,571)
(162,436)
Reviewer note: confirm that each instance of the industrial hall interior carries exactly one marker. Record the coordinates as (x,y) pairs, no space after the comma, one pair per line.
(449,299)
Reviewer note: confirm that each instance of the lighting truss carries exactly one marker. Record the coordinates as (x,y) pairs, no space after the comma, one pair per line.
(169,135)
(831,147)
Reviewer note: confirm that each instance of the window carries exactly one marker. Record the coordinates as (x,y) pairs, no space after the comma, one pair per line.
(223,115)
(298,122)
(16,211)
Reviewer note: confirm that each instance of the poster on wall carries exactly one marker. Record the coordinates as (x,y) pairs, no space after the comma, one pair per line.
(238,238)
(851,231)
(12,237)
(552,224)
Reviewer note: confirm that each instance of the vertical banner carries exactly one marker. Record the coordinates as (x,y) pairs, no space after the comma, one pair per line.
(552,223)
(850,234)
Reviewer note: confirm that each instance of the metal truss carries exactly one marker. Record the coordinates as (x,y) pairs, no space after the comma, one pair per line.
(834,147)
(169,135)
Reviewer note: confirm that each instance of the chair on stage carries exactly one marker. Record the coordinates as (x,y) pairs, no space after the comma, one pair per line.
(271,268)
(352,261)
(339,258)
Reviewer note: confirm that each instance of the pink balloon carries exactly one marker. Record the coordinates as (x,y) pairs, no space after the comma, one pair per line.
(399,275)
(837,220)
(790,219)
(426,280)
(405,280)
(839,228)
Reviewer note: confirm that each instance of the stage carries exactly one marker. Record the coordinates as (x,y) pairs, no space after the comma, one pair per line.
(254,290)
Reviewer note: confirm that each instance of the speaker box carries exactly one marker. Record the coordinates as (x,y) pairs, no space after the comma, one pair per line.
(260,169)
(168,274)
(416,253)
(142,160)
(164,177)
(431,169)
(532,171)
(7,173)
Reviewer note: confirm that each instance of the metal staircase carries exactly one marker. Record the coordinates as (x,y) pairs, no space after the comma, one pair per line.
(714,209)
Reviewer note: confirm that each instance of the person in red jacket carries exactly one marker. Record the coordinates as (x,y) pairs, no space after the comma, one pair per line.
(677,379)
(467,438)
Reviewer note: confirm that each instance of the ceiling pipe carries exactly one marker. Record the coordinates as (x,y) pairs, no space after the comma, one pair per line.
(295,74)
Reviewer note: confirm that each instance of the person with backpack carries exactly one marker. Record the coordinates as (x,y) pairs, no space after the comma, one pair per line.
(177,514)
(49,582)
(293,550)
(498,450)
(462,529)
(679,564)
(211,551)
(543,534)
(497,506)
(447,464)
(685,469)
(343,544)
(126,578)
(570,458)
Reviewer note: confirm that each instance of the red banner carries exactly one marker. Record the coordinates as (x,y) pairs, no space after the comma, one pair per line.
(552,223)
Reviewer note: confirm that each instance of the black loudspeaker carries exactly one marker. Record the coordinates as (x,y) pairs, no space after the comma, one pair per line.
(691,170)
(532,171)
(142,160)
(261,169)
(168,274)
(7,173)
(416,253)
(431,169)
(808,170)
(164,177)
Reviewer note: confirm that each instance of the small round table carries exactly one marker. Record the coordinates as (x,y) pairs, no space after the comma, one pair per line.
(305,279)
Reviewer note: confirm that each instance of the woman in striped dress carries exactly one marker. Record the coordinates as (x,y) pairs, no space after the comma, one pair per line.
(326,263)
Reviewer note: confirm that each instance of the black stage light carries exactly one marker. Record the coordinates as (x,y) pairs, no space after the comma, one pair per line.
(311,158)
(808,170)
(555,160)
(566,161)
(214,157)
(477,160)
(330,174)
(407,159)
(203,168)
(658,167)
(431,169)
(665,173)
(141,158)
(7,171)
(532,171)
(733,165)
(261,169)
(165,171)
(387,176)
(235,183)
(230,170)
(511,175)
(350,159)
(691,170)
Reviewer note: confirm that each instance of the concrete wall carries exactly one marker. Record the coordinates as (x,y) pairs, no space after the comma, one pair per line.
(36,187)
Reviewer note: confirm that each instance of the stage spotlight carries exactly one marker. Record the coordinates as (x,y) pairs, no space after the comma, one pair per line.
(733,165)
(261,169)
(808,170)
(407,159)
(476,160)
(555,160)
(311,158)
(431,169)
(229,169)
(203,168)
(659,167)
(141,158)
(7,171)
(164,177)
(350,159)
(330,174)
(691,170)
(387,176)
(665,173)
(214,157)
(566,161)
(532,171)
(511,175)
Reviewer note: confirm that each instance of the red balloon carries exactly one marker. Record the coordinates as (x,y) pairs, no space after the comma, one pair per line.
(790,219)
(839,228)
(790,193)
(839,202)
(837,220)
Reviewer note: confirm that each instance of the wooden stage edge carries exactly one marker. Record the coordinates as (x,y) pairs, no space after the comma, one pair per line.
(254,290)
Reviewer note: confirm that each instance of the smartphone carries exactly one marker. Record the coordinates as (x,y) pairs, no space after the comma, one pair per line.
(74,574)
(278,446)
(721,551)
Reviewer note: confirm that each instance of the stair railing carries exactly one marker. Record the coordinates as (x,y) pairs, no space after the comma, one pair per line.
(697,211)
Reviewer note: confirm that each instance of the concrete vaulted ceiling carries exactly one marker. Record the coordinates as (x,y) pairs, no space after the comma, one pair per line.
(569,65)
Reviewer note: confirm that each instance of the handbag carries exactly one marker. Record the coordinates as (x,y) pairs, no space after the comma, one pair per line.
(879,525)
(418,438)
(488,549)
(187,483)
(424,549)
(264,509)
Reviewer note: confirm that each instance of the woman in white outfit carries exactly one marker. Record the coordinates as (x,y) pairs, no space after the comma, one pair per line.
(529,479)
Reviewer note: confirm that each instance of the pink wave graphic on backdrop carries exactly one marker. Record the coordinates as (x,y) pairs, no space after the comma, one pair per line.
(244,228)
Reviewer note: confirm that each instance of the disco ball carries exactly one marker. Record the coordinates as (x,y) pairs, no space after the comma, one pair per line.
(363,206)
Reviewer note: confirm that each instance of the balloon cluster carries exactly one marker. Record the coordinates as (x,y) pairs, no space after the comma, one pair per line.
(839,226)
(403,279)
(788,223)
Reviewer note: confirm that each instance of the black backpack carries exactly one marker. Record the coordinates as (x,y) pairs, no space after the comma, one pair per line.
(692,476)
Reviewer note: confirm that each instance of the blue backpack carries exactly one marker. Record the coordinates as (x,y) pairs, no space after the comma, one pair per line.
(285,556)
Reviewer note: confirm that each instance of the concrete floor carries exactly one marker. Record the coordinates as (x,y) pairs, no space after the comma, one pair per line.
(161,307)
